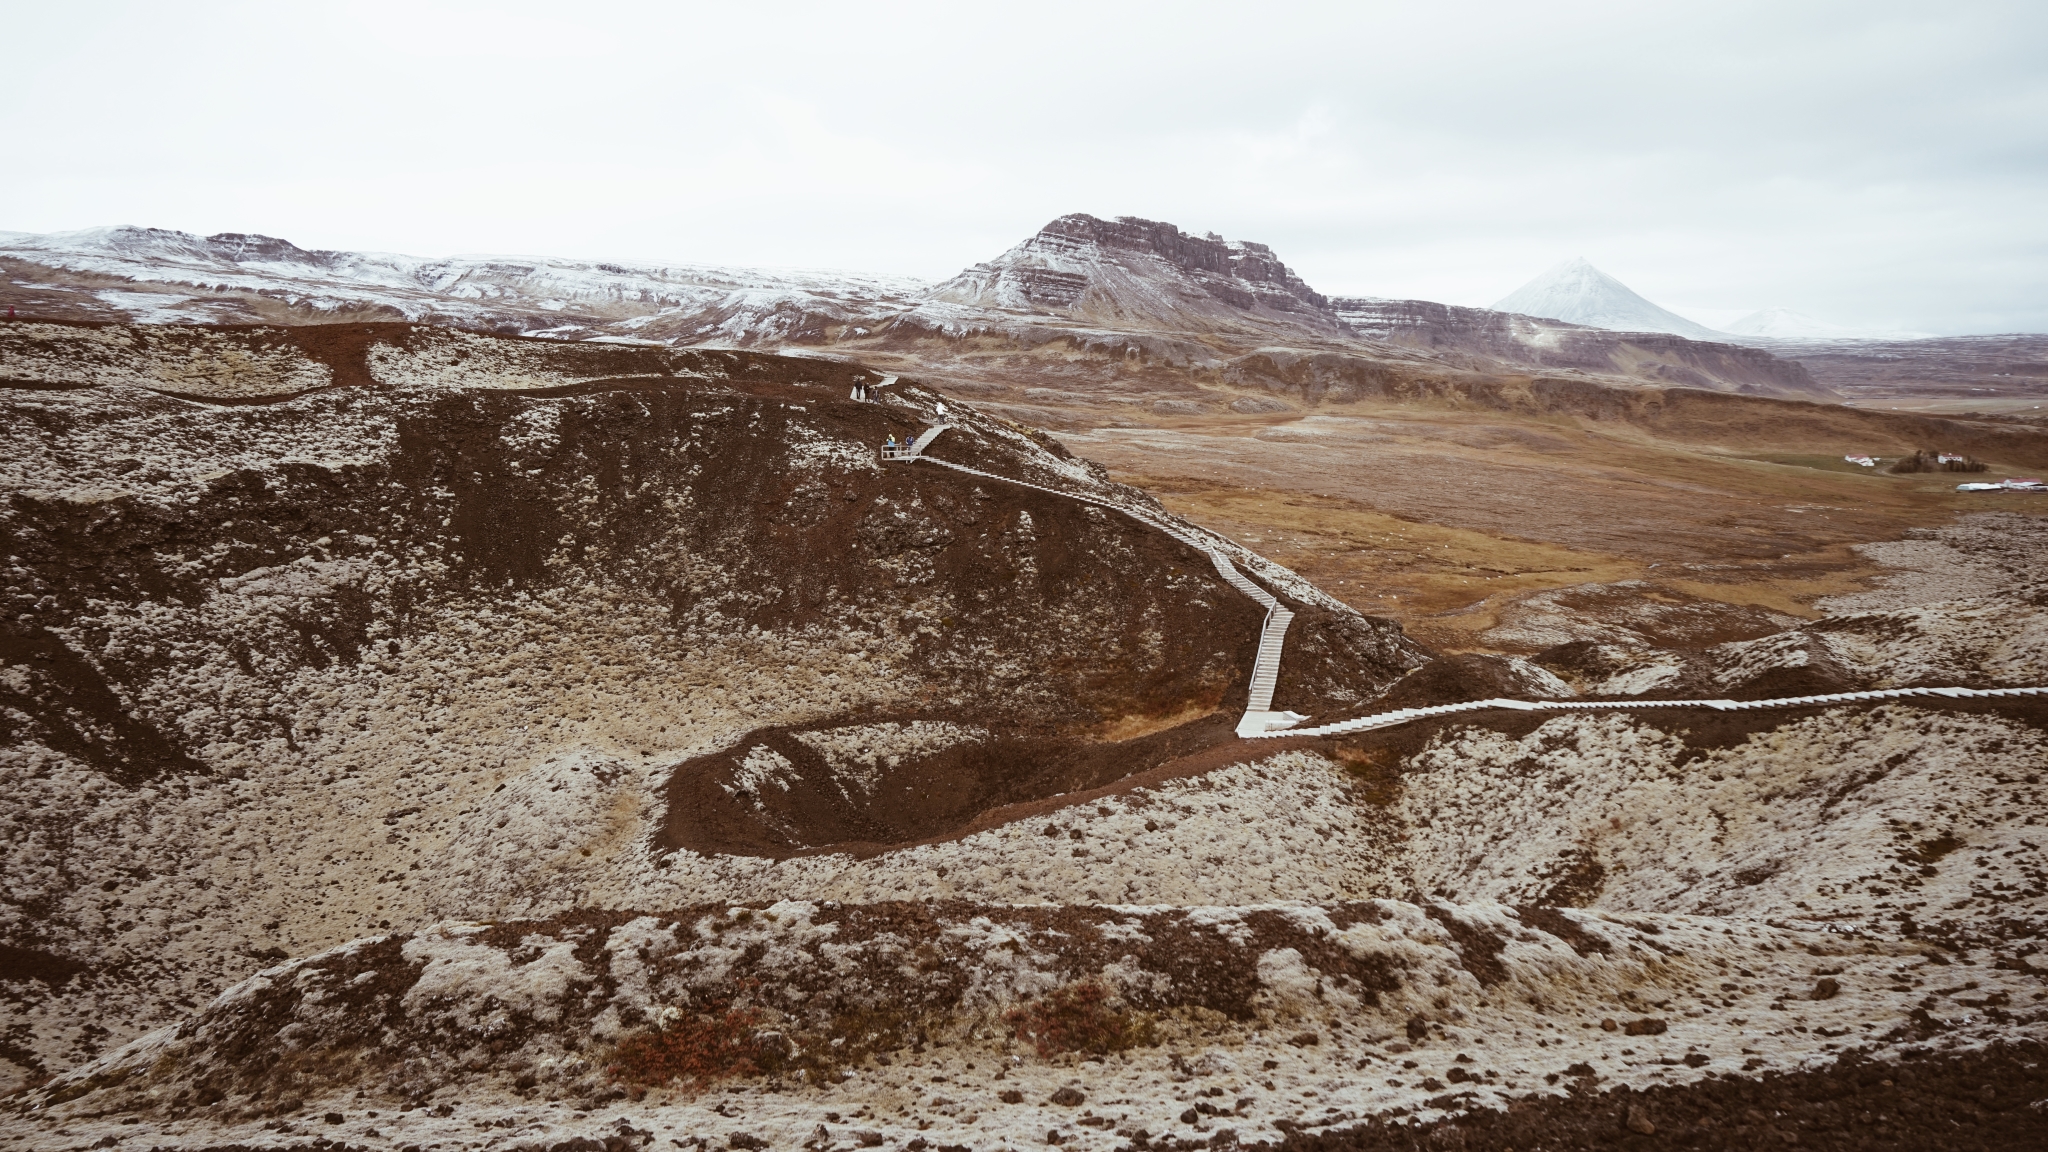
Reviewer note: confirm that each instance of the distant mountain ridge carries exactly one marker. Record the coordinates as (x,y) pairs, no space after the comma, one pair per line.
(1085,311)
(1476,336)
(1577,292)
(234,277)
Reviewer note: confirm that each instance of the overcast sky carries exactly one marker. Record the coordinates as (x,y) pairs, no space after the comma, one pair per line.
(1867,163)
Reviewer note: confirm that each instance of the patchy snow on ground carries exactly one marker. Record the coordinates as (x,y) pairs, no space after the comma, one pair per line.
(1257,1021)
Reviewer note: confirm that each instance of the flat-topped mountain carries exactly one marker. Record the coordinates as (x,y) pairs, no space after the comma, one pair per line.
(1141,272)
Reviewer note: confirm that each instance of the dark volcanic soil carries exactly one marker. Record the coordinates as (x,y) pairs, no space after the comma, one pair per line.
(919,798)
(1957,1102)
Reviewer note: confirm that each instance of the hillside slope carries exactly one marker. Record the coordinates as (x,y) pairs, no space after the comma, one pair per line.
(1484,339)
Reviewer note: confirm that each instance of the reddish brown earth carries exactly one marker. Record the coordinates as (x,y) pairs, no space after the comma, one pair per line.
(929,797)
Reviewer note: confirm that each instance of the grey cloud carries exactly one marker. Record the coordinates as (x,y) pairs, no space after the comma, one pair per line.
(1871,164)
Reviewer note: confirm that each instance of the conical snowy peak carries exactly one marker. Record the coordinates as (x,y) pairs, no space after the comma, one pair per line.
(1577,292)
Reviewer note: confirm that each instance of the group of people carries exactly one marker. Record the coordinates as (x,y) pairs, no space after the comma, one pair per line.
(891,447)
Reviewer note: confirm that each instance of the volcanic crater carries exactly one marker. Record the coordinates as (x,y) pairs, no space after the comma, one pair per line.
(414,737)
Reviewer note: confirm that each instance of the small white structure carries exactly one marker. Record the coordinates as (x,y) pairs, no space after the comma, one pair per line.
(1952,458)
(1980,487)
(1865,461)
(2024,484)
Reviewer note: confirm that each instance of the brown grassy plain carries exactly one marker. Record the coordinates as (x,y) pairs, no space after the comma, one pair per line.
(1446,518)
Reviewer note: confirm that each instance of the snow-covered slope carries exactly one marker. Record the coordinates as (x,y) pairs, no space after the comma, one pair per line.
(176,276)
(1785,324)
(1578,292)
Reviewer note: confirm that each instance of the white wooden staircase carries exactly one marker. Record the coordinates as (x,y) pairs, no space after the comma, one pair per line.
(915,449)
(1405,715)
(1259,717)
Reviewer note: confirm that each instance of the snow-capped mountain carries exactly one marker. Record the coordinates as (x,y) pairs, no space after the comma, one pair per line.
(1785,324)
(1578,292)
(1144,273)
